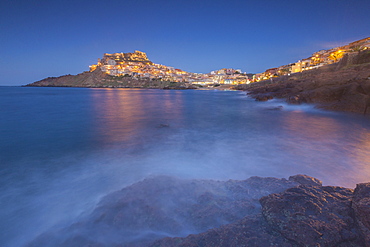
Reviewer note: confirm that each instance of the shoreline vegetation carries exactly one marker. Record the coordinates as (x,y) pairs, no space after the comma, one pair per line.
(342,86)
(257,211)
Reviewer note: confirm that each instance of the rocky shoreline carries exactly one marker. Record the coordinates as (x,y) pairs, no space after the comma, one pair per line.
(167,211)
(343,86)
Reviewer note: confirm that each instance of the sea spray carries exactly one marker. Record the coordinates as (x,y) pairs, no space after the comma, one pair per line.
(63,149)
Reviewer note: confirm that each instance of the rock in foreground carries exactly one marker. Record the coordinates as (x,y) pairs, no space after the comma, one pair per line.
(306,215)
(162,211)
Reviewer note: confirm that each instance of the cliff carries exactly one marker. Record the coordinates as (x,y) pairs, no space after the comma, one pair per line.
(344,86)
(252,212)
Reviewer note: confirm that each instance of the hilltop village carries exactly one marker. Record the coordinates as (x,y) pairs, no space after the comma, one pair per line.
(338,79)
(316,60)
(137,65)
(335,79)
(127,70)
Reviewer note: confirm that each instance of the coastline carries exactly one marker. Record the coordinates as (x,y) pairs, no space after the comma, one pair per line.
(244,230)
(343,86)
(99,79)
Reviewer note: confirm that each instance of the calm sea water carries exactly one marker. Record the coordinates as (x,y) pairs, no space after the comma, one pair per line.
(61,149)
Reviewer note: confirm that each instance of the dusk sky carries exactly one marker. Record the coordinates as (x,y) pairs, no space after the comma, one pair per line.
(52,38)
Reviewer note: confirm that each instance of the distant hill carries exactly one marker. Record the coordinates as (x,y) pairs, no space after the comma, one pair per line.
(99,79)
(121,70)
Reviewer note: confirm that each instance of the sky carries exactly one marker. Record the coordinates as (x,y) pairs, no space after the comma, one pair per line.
(46,38)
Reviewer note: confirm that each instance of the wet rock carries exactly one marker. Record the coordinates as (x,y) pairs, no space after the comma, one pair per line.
(312,216)
(305,180)
(367,104)
(263,97)
(163,126)
(166,206)
(361,207)
(295,212)
(295,99)
(277,108)
(250,231)
(306,215)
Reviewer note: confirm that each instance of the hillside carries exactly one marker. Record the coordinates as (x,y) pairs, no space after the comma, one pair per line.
(99,79)
(122,70)
(343,86)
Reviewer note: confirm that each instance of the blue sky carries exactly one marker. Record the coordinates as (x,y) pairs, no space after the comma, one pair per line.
(53,38)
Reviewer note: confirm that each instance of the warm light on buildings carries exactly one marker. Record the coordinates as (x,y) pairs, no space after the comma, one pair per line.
(337,55)
(137,65)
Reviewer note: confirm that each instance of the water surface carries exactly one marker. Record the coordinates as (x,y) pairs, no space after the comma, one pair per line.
(62,149)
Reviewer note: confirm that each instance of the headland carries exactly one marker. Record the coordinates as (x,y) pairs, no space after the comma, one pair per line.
(342,86)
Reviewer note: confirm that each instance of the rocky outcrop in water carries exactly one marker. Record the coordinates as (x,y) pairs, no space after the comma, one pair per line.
(165,206)
(163,211)
(307,215)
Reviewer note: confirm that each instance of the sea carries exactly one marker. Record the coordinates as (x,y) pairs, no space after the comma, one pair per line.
(63,149)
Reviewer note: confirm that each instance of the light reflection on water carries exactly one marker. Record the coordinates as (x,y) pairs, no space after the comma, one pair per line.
(327,146)
(311,127)
(206,136)
(118,115)
(62,149)
(361,153)
(122,116)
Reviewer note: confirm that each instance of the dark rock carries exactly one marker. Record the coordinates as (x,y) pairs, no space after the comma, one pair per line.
(361,207)
(307,215)
(343,86)
(277,108)
(163,126)
(312,216)
(263,97)
(367,105)
(362,57)
(295,212)
(295,99)
(250,231)
(166,206)
(305,180)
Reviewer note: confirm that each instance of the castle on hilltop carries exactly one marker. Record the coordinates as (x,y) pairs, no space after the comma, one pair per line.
(121,58)
(115,63)
(137,65)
